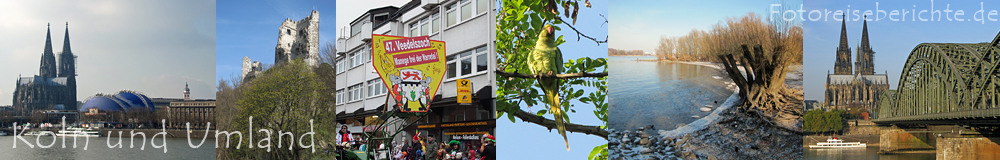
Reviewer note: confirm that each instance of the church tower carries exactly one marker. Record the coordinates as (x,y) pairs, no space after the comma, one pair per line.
(67,68)
(187,92)
(843,64)
(865,66)
(48,65)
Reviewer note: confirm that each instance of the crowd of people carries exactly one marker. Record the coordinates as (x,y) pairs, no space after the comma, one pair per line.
(427,148)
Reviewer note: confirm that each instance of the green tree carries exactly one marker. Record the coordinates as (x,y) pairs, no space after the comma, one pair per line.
(813,120)
(518,26)
(290,97)
(825,121)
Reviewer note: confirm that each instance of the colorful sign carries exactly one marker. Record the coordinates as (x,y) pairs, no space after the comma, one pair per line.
(464,90)
(411,67)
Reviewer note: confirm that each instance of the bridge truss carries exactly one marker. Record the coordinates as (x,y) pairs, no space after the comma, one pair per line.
(946,82)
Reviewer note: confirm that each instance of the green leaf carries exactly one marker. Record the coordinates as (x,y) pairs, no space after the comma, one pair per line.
(511,117)
(597,150)
(541,112)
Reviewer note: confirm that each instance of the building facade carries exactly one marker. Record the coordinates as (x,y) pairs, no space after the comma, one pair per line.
(466,26)
(198,112)
(54,88)
(859,88)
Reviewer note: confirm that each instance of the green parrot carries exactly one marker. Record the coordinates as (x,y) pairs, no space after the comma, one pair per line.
(547,59)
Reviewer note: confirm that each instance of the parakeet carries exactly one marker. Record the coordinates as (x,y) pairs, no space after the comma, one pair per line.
(547,59)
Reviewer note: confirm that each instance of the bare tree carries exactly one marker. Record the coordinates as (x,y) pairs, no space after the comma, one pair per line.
(328,54)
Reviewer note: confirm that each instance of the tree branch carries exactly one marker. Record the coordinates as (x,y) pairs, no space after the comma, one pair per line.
(552,76)
(550,124)
(578,33)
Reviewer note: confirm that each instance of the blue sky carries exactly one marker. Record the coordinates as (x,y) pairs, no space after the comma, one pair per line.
(638,25)
(250,28)
(523,140)
(892,41)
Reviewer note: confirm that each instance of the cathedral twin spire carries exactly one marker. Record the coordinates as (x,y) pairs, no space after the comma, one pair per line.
(48,64)
(864,65)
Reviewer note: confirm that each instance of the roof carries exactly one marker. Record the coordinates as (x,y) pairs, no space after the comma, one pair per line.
(848,79)
(36,80)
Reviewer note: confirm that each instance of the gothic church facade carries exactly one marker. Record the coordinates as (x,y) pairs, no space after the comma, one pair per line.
(859,88)
(54,88)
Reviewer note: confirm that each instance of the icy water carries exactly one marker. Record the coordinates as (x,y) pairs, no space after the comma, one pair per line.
(177,148)
(861,153)
(663,94)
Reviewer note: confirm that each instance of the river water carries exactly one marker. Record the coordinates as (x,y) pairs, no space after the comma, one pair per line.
(663,94)
(859,154)
(177,148)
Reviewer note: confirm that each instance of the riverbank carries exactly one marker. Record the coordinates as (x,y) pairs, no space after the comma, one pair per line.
(727,133)
(172,133)
(631,55)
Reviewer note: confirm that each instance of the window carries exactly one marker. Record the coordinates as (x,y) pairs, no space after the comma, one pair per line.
(355,92)
(425,27)
(435,23)
(356,28)
(482,6)
(451,67)
(452,15)
(481,64)
(465,10)
(358,90)
(351,61)
(413,30)
(461,64)
(370,91)
(466,64)
(376,88)
(340,96)
(356,59)
(340,66)
(361,57)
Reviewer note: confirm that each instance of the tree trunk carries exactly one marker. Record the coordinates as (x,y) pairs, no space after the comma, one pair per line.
(762,82)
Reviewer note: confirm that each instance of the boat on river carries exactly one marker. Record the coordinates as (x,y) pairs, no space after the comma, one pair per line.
(833,142)
(78,132)
(35,133)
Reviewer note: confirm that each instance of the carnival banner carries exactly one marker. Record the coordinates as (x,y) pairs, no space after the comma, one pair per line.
(411,67)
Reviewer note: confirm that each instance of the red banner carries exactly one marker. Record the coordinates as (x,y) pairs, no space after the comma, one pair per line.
(415,58)
(407,44)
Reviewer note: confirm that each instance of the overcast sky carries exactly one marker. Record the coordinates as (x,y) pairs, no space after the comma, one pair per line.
(153,47)
(250,28)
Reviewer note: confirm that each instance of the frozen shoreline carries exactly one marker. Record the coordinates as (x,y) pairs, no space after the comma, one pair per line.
(701,123)
(690,140)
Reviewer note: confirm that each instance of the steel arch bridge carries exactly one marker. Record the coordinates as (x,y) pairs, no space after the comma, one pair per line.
(947,83)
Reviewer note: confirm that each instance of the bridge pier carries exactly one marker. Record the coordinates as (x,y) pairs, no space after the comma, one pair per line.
(896,139)
(968,148)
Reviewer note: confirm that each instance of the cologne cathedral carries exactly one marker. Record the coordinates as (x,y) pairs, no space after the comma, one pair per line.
(54,88)
(859,88)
